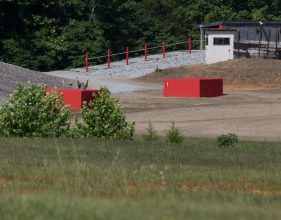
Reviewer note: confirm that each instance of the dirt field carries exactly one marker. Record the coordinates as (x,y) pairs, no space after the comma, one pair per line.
(250,108)
(238,74)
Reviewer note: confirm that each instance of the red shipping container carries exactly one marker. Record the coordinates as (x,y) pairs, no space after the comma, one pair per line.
(75,97)
(193,87)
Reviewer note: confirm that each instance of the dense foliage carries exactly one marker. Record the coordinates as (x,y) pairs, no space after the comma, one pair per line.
(31,112)
(104,118)
(46,35)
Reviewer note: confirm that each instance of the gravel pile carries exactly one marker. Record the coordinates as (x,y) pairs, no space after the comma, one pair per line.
(11,74)
(137,66)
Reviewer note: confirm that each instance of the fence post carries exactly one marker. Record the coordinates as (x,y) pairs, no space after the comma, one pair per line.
(145,52)
(108,58)
(87,61)
(189,44)
(164,49)
(127,55)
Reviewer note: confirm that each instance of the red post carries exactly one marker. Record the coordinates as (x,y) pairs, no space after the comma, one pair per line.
(127,55)
(164,49)
(108,58)
(145,52)
(87,61)
(189,44)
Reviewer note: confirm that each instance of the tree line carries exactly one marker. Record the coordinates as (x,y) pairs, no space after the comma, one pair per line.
(55,34)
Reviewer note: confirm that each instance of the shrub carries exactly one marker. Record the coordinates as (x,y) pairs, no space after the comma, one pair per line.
(227,140)
(173,135)
(31,112)
(103,118)
(151,134)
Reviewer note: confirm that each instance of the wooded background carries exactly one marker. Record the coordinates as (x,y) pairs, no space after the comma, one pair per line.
(55,34)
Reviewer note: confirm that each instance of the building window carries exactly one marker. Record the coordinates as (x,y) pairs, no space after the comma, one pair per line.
(206,41)
(221,41)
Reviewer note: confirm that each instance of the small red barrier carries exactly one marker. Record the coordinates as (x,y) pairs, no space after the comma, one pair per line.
(193,87)
(75,97)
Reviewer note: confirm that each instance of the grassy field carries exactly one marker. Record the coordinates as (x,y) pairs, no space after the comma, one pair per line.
(93,179)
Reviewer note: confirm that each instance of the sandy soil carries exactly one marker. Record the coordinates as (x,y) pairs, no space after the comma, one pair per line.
(250,108)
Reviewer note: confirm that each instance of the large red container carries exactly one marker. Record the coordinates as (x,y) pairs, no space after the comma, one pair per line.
(193,87)
(75,97)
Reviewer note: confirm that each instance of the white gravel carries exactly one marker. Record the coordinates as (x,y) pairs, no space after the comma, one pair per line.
(113,77)
(139,67)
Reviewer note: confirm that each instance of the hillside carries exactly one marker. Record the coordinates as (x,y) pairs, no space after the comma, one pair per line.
(238,74)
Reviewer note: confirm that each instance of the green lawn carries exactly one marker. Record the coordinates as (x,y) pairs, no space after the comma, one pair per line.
(93,179)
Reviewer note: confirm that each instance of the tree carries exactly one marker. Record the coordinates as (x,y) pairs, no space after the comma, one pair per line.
(30,112)
(82,36)
(47,35)
(103,118)
(40,35)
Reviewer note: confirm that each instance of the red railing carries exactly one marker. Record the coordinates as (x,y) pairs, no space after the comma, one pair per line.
(146,50)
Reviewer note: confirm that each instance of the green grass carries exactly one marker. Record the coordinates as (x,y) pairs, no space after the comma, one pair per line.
(94,179)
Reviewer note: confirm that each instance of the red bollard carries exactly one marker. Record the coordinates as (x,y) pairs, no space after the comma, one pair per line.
(108,58)
(87,61)
(189,44)
(164,49)
(145,52)
(127,55)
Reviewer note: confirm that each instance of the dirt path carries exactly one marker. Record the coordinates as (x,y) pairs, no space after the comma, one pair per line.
(115,85)
(249,114)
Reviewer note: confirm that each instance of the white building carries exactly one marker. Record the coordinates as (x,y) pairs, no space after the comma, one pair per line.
(219,45)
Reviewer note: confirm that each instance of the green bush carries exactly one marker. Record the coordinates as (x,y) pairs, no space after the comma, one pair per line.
(104,118)
(227,140)
(174,135)
(151,134)
(31,112)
